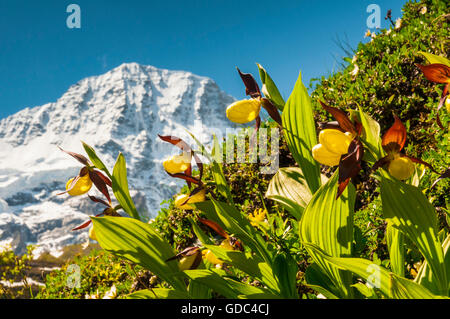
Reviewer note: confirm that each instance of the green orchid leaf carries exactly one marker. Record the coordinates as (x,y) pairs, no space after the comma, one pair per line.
(269,89)
(212,280)
(158,293)
(300,132)
(407,208)
(395,243)
(433,59)
(140,243)
(120,187)
(95,159)
(328,223)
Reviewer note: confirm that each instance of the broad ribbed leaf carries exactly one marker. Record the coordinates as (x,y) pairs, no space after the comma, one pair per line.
(328,223)
(409,210)
(289,188)
(247,291)
(213,281)
(158,293)
(120,187)
(425,278)
(391,286)
(371,138)
(395,243)
(139,243)
(300,132)
(251,265)
(269,88)
(217,171)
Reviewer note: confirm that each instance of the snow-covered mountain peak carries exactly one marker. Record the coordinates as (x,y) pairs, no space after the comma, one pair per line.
(122,110)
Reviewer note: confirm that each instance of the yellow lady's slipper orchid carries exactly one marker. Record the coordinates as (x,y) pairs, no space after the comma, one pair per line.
(82,186)
(209,256)
(244,111)
(177,163)
(92,234)
(196,198)
(333,144)
(401,168)
(186,262)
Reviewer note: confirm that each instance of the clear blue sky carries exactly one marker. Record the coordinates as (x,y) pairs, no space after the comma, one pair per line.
(40,57)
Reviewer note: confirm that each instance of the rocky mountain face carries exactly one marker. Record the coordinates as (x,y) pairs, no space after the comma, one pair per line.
(122,110)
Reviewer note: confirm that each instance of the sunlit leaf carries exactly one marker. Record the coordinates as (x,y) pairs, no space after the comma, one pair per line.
(158,293)
(140,243)
(270,88)
(300,132)
(120,187)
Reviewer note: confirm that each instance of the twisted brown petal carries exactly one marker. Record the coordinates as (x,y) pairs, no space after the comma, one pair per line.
(344,122)
(251,87)
(214,226)
(350,165)
(100,184)
(80,158)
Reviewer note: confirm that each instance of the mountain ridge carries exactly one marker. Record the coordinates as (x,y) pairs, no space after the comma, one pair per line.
(121,110)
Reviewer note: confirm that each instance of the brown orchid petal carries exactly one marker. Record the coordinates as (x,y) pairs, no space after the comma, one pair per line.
(186,252)
(188,172)
(350,165)
(185,177)
(380,163)
(446,174)
(80,158)
(251,87)
(100,184)
(394,139)
(252,141)
(178,142)
(72,185)
(103,177)
(272,110)
(109,211)
(199,164)
(98,200)
(341,117)
(214,226)
(419,161)
(436,72)
(85,224)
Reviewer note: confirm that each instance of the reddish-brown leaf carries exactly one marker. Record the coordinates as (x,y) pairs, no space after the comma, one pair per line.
(344,122)
(380,163)
(436,72)
(186,252)
(330,125)
(394,139)
(251,87)
(214,226)
(185,177)
(419,161)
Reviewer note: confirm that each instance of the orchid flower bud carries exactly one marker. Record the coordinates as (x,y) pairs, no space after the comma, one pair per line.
(333,144)
(196,198)
(177,163)
(82,185)
(244,111)
(401,168)
(209,256)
